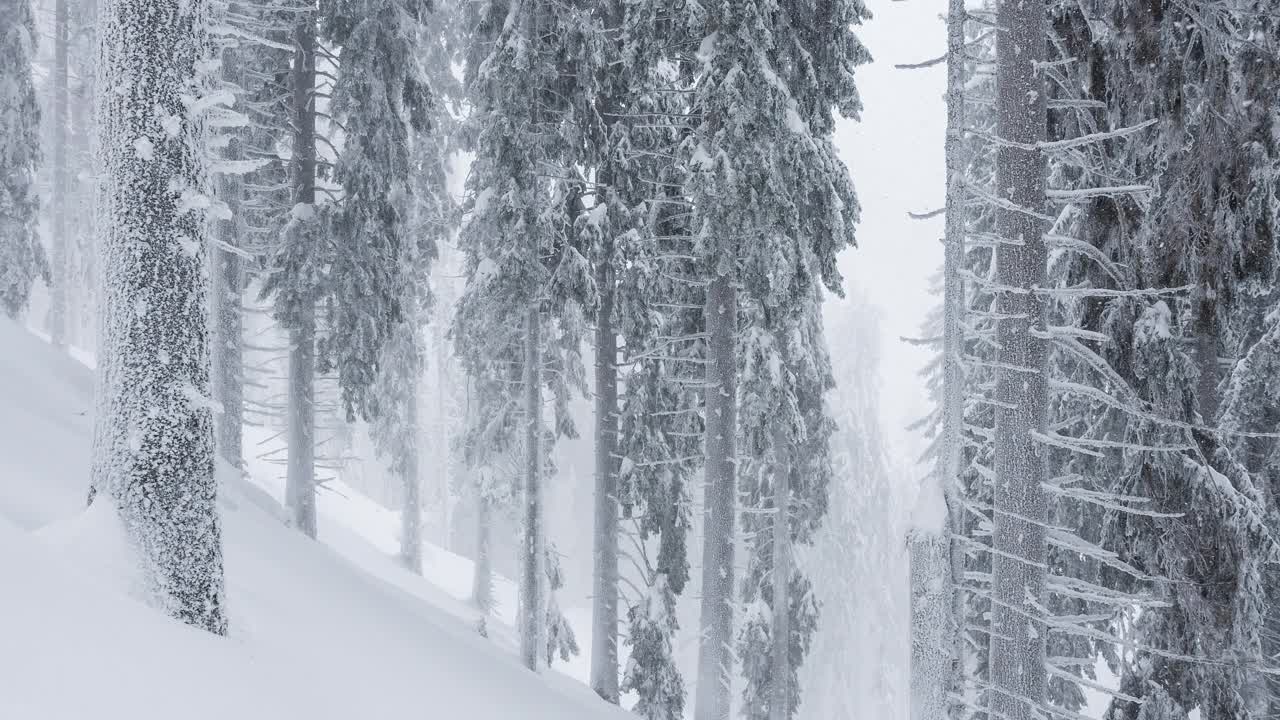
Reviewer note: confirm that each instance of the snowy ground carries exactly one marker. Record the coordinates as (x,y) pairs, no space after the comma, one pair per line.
(318,632)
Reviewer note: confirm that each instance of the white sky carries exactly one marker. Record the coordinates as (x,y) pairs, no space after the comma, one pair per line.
(896,159)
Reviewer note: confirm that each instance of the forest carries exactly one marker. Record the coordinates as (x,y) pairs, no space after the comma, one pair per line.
(501,359)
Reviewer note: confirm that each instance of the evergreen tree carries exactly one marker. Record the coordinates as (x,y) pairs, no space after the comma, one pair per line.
(153,440)
(60,105)
(395,427)
(520,320)
(1196,259)
(22,258)
(381,97)
(773,205)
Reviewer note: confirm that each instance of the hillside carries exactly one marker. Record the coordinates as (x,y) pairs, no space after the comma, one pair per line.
(315,634)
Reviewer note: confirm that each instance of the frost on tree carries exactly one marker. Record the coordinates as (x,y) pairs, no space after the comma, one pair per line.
(381,98)
(1195,259)
(153,440)
(772,205)
(22,258)
(422,199)
(1020,514)
(520,320)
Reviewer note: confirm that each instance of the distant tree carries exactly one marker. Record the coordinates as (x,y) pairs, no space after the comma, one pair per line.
(381,98)
(60,105)
(521,320)
(22,258)
(395,424)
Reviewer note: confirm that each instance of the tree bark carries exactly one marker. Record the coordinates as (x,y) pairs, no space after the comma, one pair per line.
(1018,676)
(227,347)
(720,498)
(301,479)
(937,561)
(533,612)
(411,513)
(604,608)
(226,284)
(444,483)
(58,203)
(780,700)
(153,437)
(482,581)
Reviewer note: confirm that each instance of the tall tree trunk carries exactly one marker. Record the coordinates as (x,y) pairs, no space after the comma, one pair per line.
(411,513)
(1017,650)
(937,561)
(604,608)
(58,205)
(225,311)
(153,439)
(226,282)
(482,580)
(720,499)
(533,611)
(444,483)
(780,700)
(301,478)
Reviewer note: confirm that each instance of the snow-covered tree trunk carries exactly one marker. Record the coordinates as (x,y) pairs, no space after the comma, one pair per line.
(482,579)
(153,436)
(444,440)
(1017,662)
(226,284)
(604,608)
(930,652)
(300,481)
(227,320)
(22,257)
(780,702)
(411,512)
(720,497)
(58,202)
(533,603)
(937,553)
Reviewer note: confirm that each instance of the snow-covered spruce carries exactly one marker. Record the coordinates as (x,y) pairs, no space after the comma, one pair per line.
(22,257)
(153,439)
(520,320)
(771,81)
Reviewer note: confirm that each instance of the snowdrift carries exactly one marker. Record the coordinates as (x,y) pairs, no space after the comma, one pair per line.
(314,635)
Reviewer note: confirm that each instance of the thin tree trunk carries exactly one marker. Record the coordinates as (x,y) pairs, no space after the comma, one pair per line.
(227,346)
(720,498)
(533,611)
(604,608)
(226,315)
(780,700)
(300,481)
(301,478)
(443,440)
(1018,675)
(482,581)
(58,205)
(154,446)
(411,513)
(937,561)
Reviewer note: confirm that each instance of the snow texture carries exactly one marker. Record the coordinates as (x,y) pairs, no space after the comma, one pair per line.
(325,639)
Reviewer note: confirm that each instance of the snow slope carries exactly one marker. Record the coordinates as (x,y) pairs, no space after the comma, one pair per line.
(314,635)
